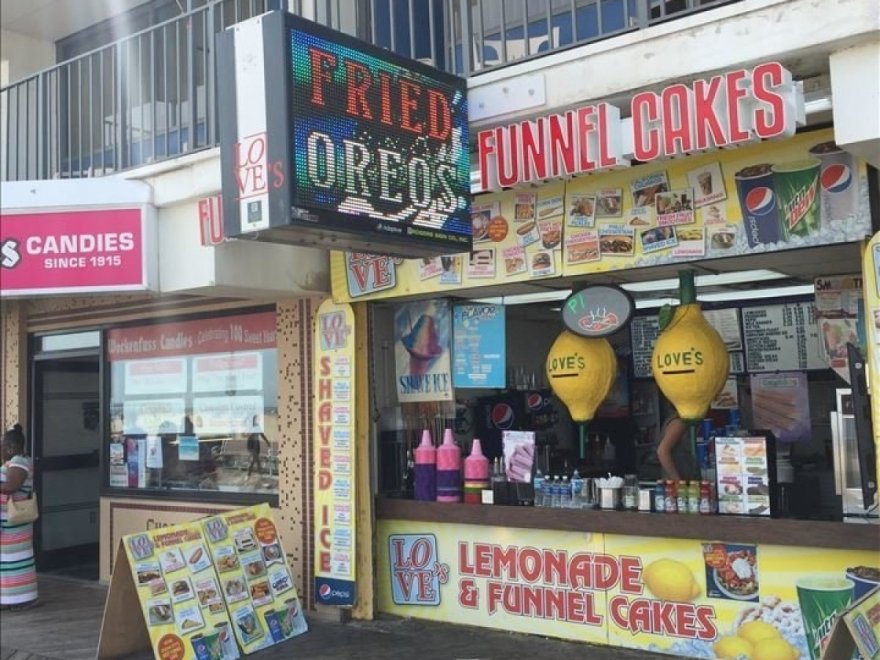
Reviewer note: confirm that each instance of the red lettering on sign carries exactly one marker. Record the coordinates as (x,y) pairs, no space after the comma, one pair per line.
(677,133)
(534,149)
(322,64)
(646,129)
(585,128)
(409,102)
(439,116)
(735,93)
(708,105)
(769,119)
(562,144)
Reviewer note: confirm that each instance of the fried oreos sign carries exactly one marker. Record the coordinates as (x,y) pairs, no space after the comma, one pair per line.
(329,141)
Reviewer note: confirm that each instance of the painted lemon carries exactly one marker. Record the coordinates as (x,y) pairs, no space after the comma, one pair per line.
(774,648)
(669,579)
(581,372)
(755,631)
(690,362)
(733,648)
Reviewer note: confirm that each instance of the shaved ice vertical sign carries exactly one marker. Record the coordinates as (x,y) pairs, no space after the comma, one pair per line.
(334,419)
(421,351)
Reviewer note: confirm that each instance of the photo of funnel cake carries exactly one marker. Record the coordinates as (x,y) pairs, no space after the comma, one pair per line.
(422,344)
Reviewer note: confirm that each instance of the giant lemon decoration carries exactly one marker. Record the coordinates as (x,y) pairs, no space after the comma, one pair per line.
(690,360)
(581,372)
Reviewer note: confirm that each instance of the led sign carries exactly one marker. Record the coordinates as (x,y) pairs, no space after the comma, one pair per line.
(330,141)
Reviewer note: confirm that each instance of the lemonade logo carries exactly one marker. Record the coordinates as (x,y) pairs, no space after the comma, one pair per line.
(416,572)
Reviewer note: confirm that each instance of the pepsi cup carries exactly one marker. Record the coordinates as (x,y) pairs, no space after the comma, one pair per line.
(274,625)
(839,182)
(759,205)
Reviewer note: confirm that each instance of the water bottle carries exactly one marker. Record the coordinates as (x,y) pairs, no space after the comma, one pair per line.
(538,484)
(577,486)
(556,492)
(565,497)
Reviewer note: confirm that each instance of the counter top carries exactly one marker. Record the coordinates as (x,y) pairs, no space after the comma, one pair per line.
(729,529)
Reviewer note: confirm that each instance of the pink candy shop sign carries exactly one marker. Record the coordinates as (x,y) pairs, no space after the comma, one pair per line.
(83,251)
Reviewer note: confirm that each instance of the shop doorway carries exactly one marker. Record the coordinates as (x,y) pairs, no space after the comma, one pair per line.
(66,434)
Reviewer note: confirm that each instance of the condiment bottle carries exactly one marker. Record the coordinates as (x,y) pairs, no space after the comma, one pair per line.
(426,469)
(448,469)
(660,497)
(476,474)
(671,498)
(693,497)
(705,498)
(682,496)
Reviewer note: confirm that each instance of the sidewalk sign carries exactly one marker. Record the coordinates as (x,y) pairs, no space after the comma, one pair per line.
(204,590)
(857,628)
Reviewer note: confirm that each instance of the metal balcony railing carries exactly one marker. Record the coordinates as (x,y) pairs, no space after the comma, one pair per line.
(152,96)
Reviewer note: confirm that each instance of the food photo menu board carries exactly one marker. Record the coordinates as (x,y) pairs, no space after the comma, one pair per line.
(254,579)
(743,470)
(177,589)
(206,589)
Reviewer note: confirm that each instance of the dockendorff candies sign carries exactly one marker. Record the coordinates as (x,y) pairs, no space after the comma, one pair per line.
(330,141)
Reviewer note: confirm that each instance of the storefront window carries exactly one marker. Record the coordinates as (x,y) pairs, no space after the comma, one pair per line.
(194,405)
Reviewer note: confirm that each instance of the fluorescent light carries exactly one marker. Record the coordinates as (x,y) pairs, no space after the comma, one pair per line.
(650,303)
(755,294)
(526,298)
(721,279)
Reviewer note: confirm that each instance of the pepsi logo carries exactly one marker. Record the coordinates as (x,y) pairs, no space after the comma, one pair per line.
(324,591)
(760,201)
(535,401)
(836,178)
(502,416)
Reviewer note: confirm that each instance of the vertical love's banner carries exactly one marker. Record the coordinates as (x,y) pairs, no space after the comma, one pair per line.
(334,416)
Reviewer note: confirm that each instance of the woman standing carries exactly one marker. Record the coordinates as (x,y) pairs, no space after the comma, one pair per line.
(677,462)
(18,575)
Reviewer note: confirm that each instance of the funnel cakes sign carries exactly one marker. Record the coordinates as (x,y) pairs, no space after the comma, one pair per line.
(421,350)
(329,141)
(727,110)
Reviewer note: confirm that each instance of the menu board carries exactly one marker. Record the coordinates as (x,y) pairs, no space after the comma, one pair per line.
(743,474)
(203,585)
(479,353)
(644,331)
(253,577)
(177,589)
(782,338)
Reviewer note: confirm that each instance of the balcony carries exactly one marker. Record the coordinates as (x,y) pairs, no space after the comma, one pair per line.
(151,96)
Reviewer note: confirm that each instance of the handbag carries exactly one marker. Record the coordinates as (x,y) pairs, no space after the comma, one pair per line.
(22,512)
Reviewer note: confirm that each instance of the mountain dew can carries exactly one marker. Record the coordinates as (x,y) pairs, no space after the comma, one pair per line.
(797,189)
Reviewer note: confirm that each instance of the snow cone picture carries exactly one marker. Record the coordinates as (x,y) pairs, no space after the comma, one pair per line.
(421,348)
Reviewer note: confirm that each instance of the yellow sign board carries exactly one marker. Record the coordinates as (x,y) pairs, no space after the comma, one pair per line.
(205,589)
(764,198)
(689,598)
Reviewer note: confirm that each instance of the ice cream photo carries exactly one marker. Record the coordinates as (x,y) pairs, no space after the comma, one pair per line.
(422,333)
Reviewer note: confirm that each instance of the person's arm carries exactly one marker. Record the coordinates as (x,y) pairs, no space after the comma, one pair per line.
(15,476)
(675,431)
(266,440)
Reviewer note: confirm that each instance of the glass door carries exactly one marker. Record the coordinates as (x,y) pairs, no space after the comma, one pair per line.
(66,448)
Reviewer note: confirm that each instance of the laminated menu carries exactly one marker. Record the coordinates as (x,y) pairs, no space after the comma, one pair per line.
(206,589)
(255,581)
(742,468)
